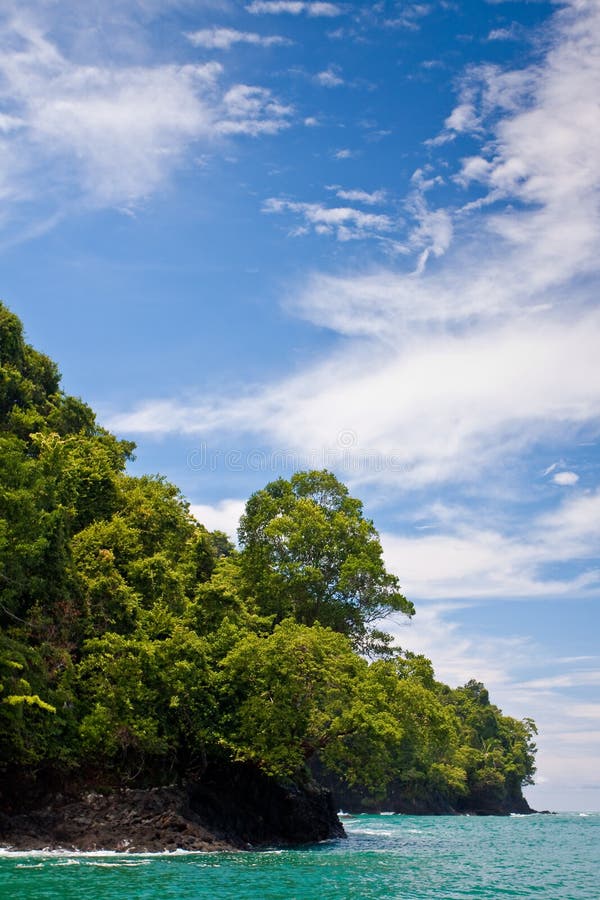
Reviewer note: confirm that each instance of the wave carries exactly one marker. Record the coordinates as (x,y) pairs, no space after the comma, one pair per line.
(67,855)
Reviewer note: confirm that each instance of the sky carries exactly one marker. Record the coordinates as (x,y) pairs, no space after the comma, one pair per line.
(268,235)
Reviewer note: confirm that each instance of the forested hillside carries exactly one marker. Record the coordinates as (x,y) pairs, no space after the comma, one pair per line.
(136,647)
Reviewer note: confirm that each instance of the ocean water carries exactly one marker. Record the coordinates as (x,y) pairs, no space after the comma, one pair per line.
(387,856)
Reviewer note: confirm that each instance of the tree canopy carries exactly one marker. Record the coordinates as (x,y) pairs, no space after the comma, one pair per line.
(308,552)
(137,645)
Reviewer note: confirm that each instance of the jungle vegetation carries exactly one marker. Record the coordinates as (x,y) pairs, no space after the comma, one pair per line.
(136,644)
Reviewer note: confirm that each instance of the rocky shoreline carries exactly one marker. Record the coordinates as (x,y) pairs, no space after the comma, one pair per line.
(134,821)
(231,807)
(234,808)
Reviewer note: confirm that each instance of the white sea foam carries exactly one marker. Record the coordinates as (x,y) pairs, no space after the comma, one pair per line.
(73,857)
(122,863)
(377,832)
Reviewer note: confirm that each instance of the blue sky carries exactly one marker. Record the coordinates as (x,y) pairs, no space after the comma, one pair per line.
(259,236)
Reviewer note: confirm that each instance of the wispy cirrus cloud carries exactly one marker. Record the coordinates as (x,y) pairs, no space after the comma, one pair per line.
(295,8)
(344,222)
(432,231)
(358,195)
(344,153)
(512,33)
(408,16)
(463,560)
(110,134)
(225,38)
(253,110)
(575,678)
(457,366)
(444,407)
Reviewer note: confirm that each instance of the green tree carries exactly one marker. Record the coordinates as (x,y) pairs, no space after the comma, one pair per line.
(284,695)
(396,729)
(308,552)
(498,752)
(147,702)
(37,723)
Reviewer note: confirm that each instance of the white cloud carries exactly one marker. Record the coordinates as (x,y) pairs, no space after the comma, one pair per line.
(565,478)
(10,123)
(457,654)
(575,526)
(369,198)
(442,406)
(576,678)
(586,738)
(294,7)
(110,134)
(457,368)
(463,118)
(550,469)
(504,34)
(433,232)
(586,710)
(466,560)
(344,153)
(468,564)
(557,178)
(222,516)
(253,110)
(566,660)
(330,77)
(345,222)
(225,38)
(410,16)
(122,129)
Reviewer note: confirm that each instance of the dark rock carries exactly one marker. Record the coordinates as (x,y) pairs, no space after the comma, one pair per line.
(243,801)
(233,807)
(418,800)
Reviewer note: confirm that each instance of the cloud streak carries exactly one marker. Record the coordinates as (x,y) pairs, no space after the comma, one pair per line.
(111,135)
(467,561)
(477,411)
(345,222)
(225,38)
(357,195)
(294,8)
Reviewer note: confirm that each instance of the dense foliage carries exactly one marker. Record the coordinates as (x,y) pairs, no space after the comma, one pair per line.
(136,644)
(308,553)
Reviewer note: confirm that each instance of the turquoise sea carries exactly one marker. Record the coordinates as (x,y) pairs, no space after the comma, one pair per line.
(391,857)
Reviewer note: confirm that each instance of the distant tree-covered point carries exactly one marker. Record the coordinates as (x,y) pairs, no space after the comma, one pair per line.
(138,647)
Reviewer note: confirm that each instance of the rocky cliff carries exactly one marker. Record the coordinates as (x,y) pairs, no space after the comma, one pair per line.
(233,807)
